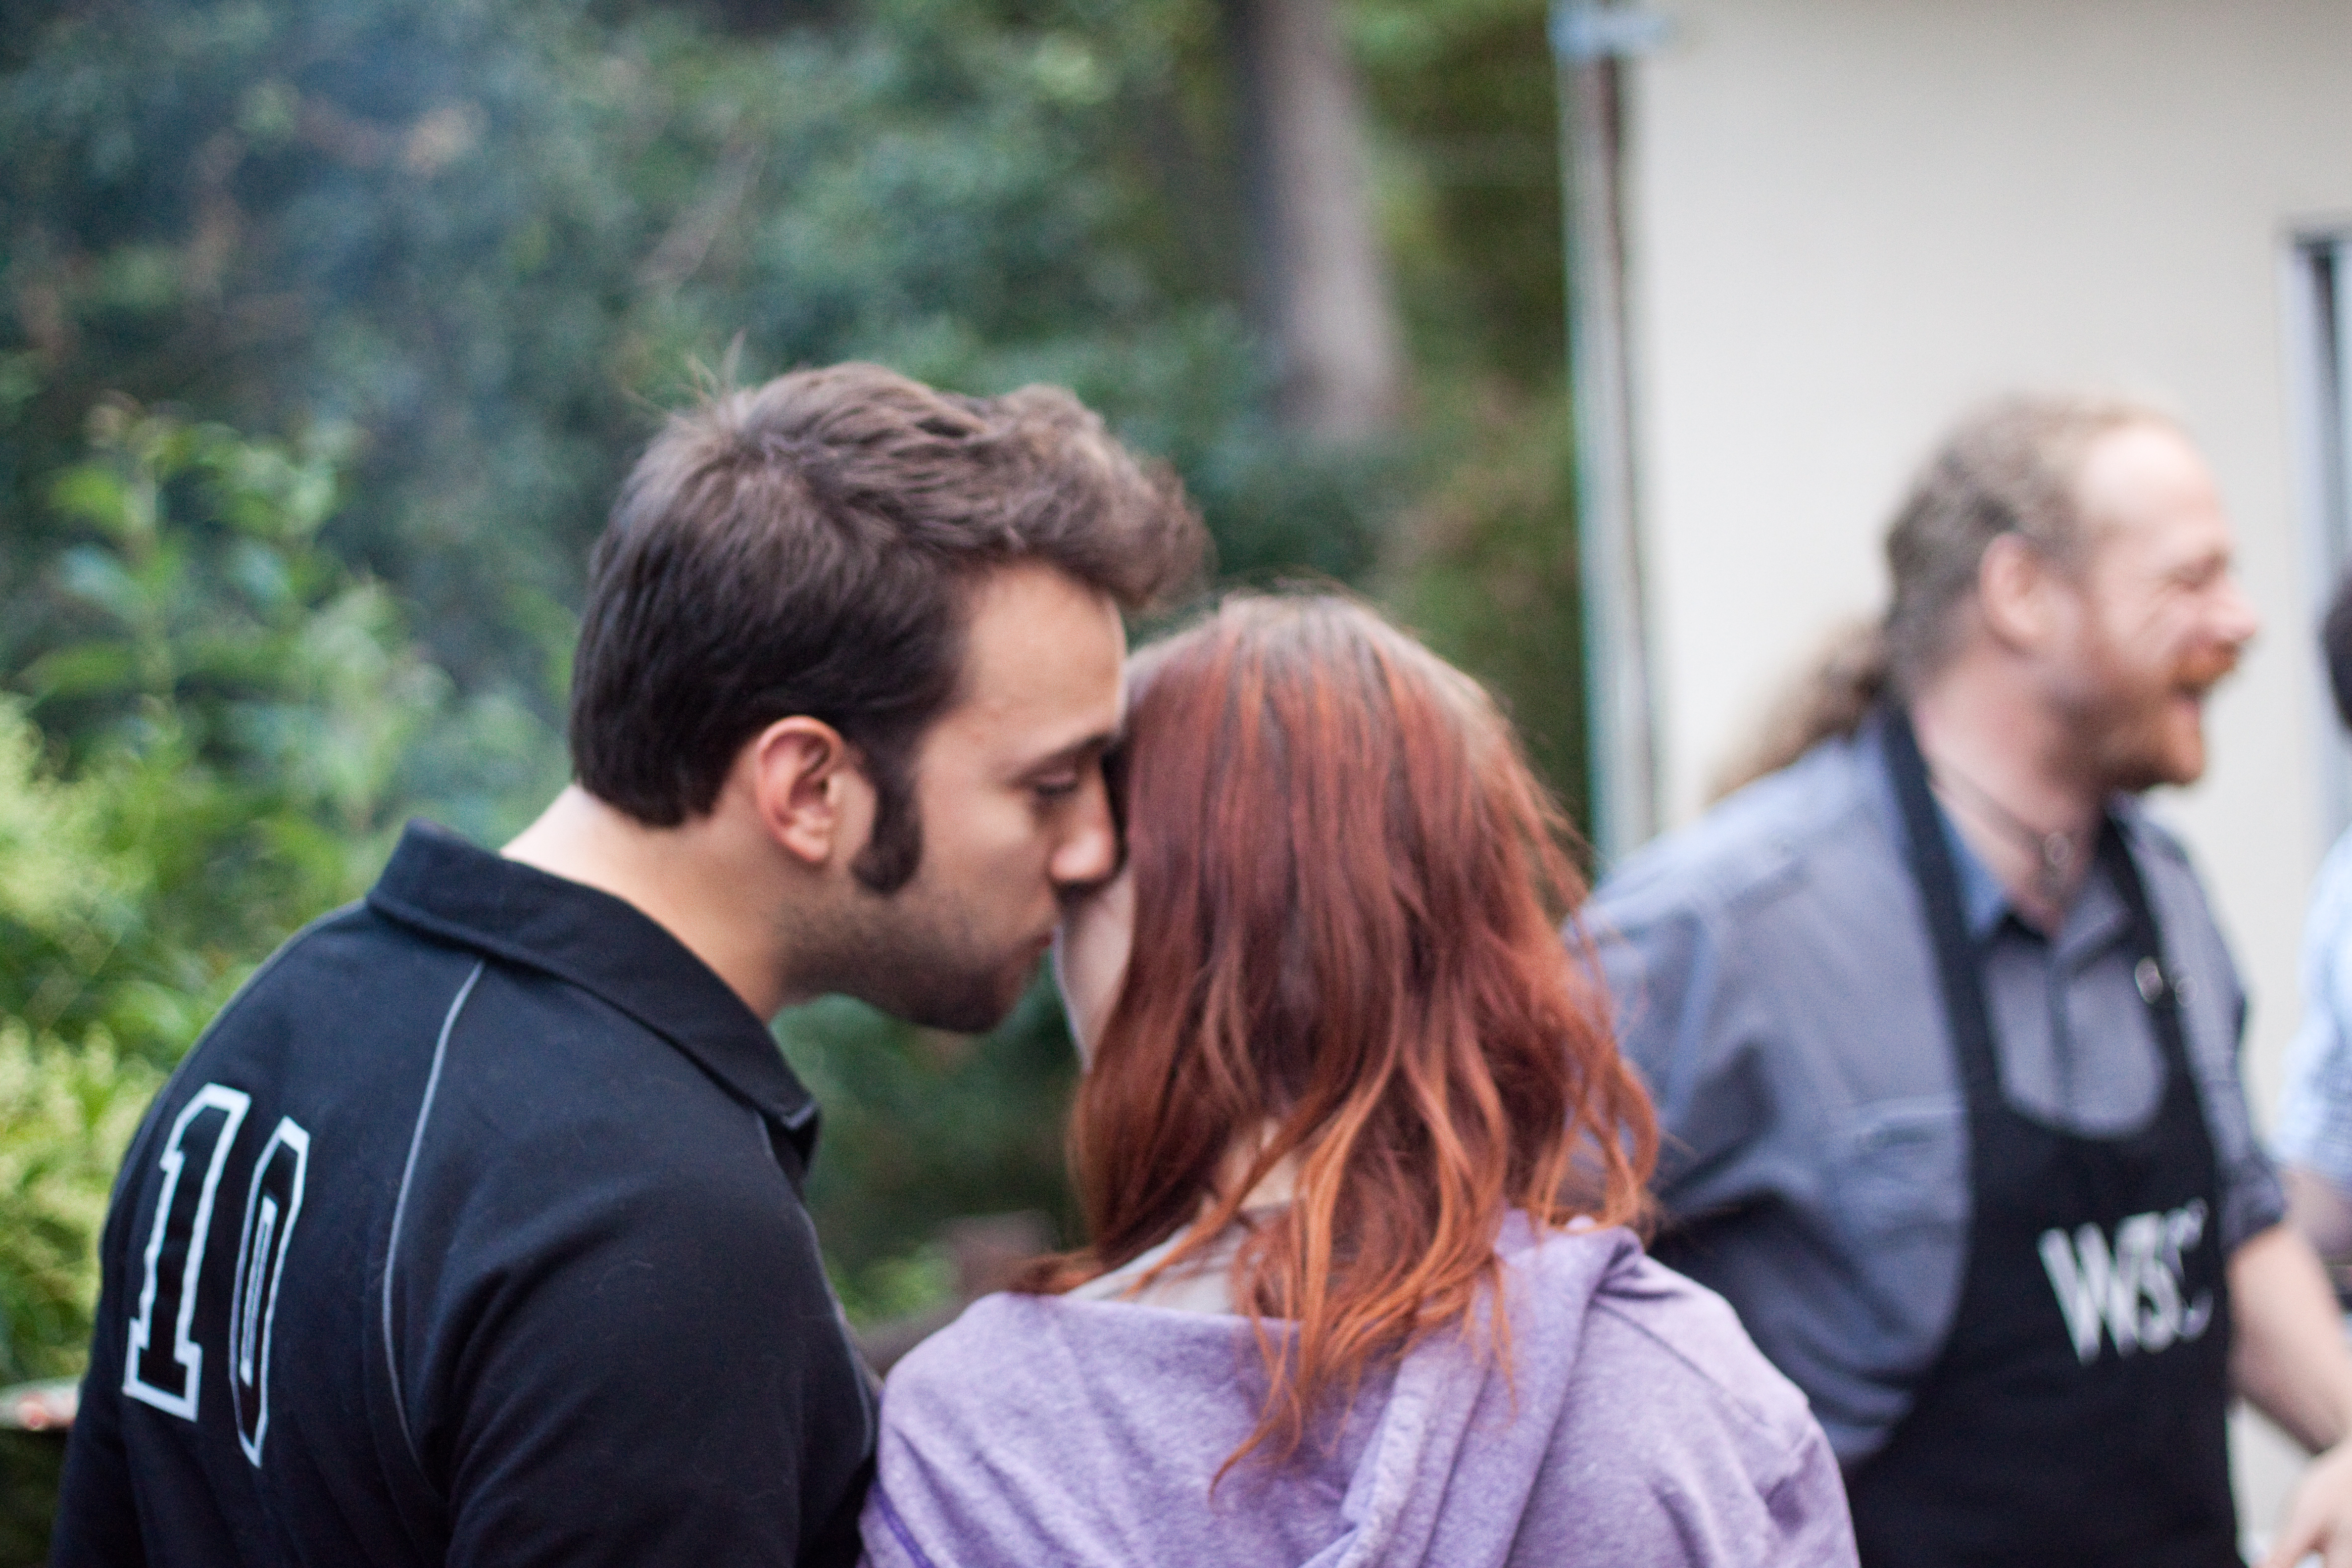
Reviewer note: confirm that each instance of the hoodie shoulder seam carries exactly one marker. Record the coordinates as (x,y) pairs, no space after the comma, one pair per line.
(1755,1419)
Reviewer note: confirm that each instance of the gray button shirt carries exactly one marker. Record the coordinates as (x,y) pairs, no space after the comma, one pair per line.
(1775,985)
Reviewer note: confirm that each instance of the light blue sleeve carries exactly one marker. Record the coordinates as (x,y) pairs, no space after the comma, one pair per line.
(2315,1122)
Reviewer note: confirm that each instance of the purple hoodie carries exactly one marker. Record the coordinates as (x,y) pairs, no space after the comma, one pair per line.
(1638,1426)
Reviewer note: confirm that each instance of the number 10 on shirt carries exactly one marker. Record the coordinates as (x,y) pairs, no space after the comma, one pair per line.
(168,1373)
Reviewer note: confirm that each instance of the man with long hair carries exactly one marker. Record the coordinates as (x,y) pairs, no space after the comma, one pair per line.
(472,1231)
(1945,1041)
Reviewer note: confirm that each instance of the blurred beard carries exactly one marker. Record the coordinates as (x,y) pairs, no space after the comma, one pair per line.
(2129,731)
(914,955)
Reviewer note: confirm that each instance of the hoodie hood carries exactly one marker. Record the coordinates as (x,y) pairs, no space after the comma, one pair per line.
(1043,1429)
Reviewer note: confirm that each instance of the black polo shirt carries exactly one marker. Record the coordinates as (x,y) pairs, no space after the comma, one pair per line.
(471,1233)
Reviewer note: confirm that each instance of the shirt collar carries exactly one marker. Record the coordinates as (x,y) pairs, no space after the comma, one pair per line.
(439,883)
(1983,900)
(2098,915)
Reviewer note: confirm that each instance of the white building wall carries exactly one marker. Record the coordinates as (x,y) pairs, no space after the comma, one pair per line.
(1853,218)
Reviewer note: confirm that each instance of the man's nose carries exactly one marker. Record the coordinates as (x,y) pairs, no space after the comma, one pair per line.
(1090,851)
(2235,620)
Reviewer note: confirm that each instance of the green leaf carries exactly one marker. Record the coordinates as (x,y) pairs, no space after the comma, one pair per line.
(81,669)
(92,495)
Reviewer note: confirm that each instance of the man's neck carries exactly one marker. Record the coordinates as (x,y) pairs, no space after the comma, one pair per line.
(689,881)
(2000,761)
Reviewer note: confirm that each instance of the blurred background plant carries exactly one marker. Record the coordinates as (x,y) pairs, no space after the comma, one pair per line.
(326,330)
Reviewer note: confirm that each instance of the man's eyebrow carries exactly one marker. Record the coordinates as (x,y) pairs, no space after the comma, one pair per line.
(1079,750)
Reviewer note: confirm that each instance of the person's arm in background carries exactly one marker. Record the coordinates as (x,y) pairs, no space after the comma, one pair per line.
(2319,1209)
(2287,1353)
(2313,1140)
(2289,1359)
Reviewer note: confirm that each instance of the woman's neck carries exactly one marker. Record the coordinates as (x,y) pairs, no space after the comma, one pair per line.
(1272,1190)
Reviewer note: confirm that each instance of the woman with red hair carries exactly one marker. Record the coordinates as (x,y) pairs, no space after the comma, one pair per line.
(1358,1155)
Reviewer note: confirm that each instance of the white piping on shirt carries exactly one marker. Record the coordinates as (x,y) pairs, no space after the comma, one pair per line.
(399,1203)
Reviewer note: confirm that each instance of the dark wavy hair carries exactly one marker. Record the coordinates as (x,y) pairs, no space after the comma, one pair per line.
(807,547)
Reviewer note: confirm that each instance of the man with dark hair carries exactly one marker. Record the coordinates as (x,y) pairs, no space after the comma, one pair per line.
(1944,1038)
(471,1232)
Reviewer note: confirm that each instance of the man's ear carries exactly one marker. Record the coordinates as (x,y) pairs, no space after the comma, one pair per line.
(2013,583)
(811,796)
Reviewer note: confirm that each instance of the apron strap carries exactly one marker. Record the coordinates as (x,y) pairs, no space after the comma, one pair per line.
(1939,889)
(2150,972)
(1957,961)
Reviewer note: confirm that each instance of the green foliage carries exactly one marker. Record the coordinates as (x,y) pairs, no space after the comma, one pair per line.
(1484,567)
(485,239)
(1481,559)
(30,1465)
(67,1103)
(1465,101)
(921,1127)
(892,1288)
(241,717)
(487,235)
(98,878)
(65,1112)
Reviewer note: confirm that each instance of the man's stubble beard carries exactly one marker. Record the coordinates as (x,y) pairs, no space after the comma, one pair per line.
(2122,718)
(916,956)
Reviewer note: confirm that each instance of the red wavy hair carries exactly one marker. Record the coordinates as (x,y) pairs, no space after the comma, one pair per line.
(1348,890)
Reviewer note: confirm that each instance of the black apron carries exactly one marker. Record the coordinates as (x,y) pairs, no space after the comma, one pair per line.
(2074,1414)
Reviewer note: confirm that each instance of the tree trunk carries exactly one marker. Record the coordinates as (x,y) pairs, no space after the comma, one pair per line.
(1323,284)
